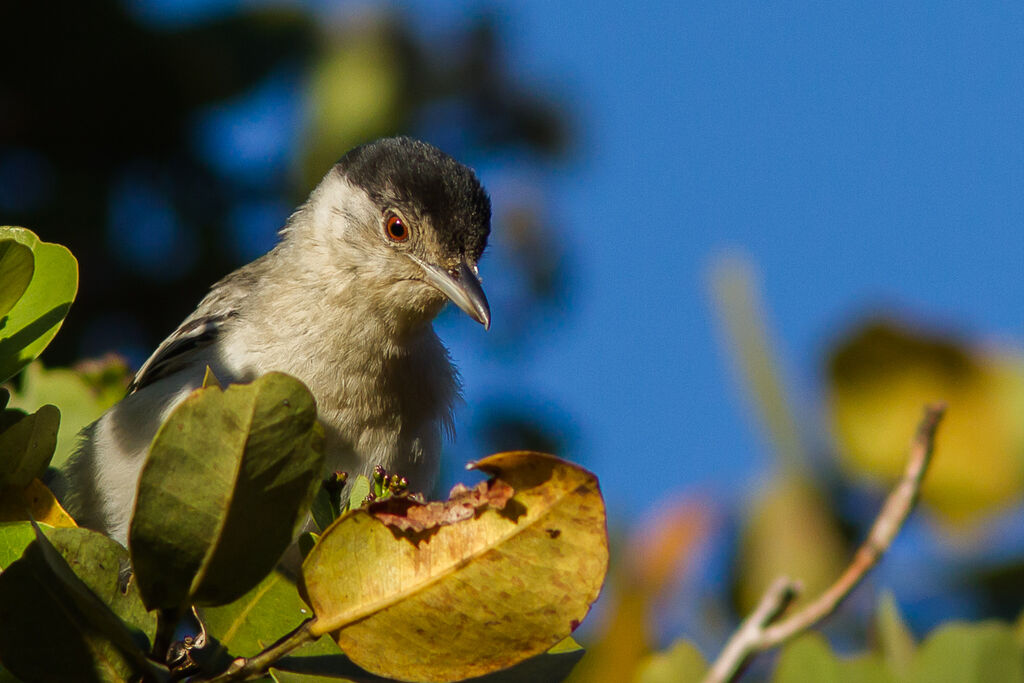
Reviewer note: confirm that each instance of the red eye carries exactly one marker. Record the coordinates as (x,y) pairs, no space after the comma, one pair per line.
(395,229)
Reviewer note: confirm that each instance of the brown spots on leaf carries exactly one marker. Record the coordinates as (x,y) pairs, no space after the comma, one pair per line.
(406,514)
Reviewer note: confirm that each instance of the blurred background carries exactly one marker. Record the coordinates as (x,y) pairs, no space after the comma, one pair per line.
(736,249)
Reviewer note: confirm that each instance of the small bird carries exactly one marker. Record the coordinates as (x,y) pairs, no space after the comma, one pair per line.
(344,302)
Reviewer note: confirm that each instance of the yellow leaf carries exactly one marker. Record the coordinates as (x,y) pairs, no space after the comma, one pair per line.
(460,595)
(16,504)
(880,377)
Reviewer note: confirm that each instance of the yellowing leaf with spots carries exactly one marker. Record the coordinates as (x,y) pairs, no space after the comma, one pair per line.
(443,592)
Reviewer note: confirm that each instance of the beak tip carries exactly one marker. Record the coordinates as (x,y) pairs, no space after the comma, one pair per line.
(462,288)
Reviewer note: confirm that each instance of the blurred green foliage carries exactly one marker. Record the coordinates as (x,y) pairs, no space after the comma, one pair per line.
(117,99)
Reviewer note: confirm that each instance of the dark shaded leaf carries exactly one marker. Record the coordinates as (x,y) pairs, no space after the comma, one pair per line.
(71,590)
(27,446)
(229,478)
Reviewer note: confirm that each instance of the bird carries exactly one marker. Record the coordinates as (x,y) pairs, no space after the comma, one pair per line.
(345,302)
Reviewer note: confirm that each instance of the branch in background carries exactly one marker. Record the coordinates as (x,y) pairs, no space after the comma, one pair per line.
(760,631)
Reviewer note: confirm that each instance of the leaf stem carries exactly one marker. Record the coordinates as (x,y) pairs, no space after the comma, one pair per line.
(166,622)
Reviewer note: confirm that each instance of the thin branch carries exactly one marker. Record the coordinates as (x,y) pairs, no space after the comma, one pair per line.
(760,631)
(738,650)
(244,668)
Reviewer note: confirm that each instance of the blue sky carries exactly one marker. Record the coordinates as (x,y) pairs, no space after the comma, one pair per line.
(864,156)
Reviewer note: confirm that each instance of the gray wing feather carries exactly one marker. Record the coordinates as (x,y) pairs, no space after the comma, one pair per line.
(200,330)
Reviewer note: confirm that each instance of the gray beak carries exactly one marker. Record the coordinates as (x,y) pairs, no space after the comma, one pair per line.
(462,286)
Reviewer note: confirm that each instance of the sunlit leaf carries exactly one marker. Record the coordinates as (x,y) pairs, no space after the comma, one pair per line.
(358,492)
(252,622)
(39,312)
(210,379)
(34,501)
(14,538)
(65,613)
(454,595)
(880,376)
(229,478)
(16,267)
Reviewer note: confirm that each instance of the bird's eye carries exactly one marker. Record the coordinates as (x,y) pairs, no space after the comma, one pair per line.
(395,229)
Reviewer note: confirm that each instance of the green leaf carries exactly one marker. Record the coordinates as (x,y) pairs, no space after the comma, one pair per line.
(254,621)
(895,641)
(279,676)
(14,538)
(357,494)
(681,663)
(321,509)
(969,653)
(82,396)
(16,267)
(258,618)
(27,445)
(808,659)
(229,479)
(64,614)
(39,312)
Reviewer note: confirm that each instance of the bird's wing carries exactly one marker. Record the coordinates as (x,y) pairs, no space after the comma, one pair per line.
(199,331)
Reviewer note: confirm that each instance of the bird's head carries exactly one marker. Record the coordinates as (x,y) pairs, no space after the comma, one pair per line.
(409,223)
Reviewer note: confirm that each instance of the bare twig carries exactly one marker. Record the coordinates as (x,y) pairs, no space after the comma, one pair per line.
(245,668)
(760,631)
